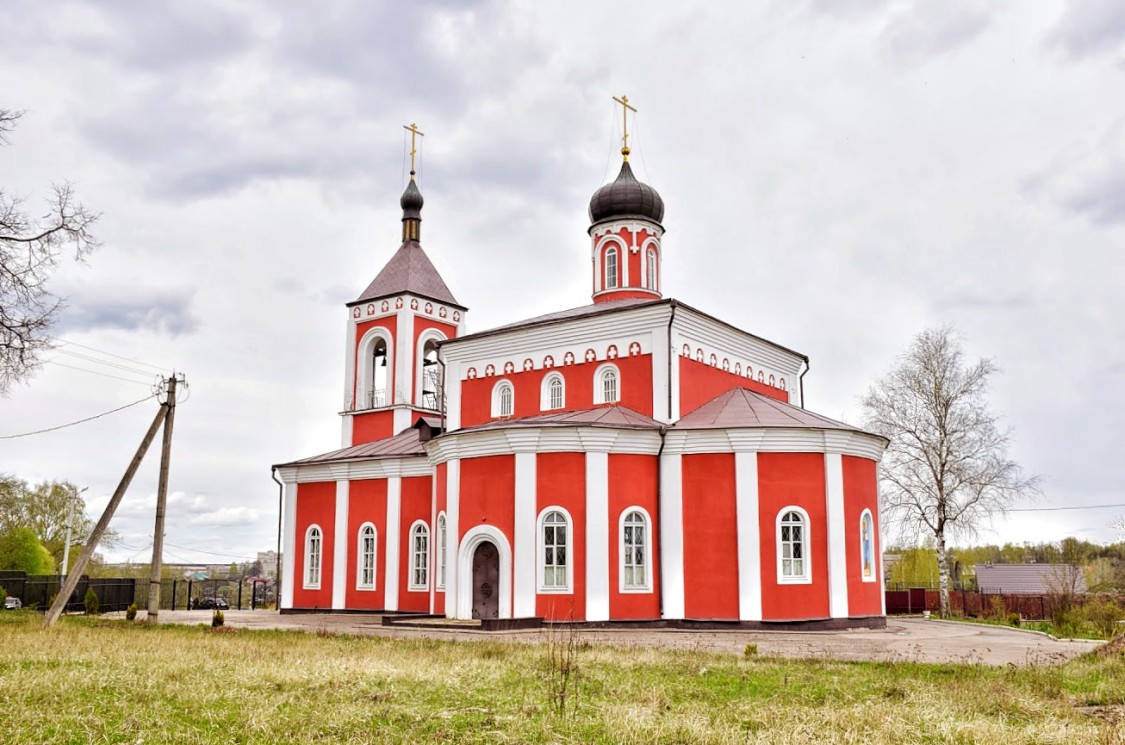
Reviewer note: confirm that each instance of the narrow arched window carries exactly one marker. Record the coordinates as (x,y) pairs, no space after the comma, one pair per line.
(419,556)
(313,550)
(650,269)
(431,377)
(610,268)
(554,393)
(503,399)
(606,385)
(867,546)
(380,375)
(793,546)
(635,551)
(554,556)
(365,558)
(441,537)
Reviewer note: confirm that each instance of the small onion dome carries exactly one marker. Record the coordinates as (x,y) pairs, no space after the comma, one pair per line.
(626,197)
(411,201)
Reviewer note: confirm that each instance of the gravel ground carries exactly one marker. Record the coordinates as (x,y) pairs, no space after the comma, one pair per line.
(904,639)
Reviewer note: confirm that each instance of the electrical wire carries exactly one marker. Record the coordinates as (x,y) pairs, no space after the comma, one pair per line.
(80,421)
(1056,509)
(95,360)
(209,553)
(110,354)
(95,372)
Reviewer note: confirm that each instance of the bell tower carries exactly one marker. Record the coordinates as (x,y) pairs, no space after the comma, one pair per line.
(626,232)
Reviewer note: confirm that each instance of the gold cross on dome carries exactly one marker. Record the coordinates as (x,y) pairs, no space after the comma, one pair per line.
(626,107)
(414,134)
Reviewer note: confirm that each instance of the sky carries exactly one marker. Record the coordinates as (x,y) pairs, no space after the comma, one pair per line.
(838,175)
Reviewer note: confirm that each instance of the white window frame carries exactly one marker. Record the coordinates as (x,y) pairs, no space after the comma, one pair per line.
(429,335)
(612,251)
(650,269)
(365,380)
(622,585)
(541,557)
(545,400)
(599,383)
(874,559)
(805,577)
(442,535)
(498,399)
(313,570)
(418,526)
(359,556)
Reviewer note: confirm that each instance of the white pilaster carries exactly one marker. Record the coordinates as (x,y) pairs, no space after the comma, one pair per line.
(350,391)
(452,384)
(394,512)
(523,552)
(672,535)
(837,530)
(403,392)
(346,423)
(677,341)
(597,536)
(401,419)
(749,538)
(289,576)
(340,546)
(452,512)
(661,353)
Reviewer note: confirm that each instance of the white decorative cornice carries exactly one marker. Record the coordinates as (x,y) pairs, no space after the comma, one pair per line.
(456,446)
(773,440)
(354,470)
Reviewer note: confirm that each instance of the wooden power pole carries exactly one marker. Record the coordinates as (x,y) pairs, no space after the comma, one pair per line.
(161,504)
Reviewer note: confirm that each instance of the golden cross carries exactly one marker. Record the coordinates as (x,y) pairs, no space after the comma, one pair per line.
(626,107)
(414,132)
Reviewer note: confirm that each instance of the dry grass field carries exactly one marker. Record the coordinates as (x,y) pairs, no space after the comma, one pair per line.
(97,681)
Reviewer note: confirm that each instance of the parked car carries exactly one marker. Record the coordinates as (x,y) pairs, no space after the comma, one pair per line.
(209,604)
(11,603)
(219,604)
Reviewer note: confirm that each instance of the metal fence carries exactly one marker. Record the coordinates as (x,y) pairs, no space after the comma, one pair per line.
(118,593)
(979,604)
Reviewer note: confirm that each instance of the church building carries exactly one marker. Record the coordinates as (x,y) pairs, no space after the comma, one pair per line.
(633,459)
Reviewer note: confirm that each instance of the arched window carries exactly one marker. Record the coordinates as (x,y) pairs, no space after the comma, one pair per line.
(553,395)
(610,268)
(503,399)
(431,383)
(793,546)
(441,536)
(650,269)
(636,551)
(419,557)
(374,373)
(365,558)
(607,388)
(313,550)
(554,550)
(867,546)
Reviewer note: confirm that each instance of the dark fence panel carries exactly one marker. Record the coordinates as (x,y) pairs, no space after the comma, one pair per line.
(117,593)
(979,604)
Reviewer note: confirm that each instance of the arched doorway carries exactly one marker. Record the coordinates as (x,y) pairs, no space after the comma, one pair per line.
(486,581)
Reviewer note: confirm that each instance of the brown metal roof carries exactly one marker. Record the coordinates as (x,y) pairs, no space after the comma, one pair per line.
(1030,579)
(405,444)
(741,407)
(409,270)
(615,417)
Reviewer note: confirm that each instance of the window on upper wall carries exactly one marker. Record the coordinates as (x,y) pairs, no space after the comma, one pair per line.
(650,273)
(431,377)
(503,399)
(419,557)
(554,550)
(441,536)
(607,385)
(610,268)
(554,392)
(867,546)
(313,550)
(793,546)
(365,558)
(635,551)
(378,382)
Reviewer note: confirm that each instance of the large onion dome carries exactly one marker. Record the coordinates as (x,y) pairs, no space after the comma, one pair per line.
(626,197)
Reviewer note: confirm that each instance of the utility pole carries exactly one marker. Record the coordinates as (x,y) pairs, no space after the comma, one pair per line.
(69,519)
(161,505)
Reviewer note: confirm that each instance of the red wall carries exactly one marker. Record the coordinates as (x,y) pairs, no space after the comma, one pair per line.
(375,425)
(387,322)
(441,500)
(786,479)
(367,502)
(316,503)
(561,481)
(632,483)
(415,505)
(860,493)
(635,388)
(710,537)
(488,487)
(699,383)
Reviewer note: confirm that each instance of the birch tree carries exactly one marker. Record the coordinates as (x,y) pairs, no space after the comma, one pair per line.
(946,471)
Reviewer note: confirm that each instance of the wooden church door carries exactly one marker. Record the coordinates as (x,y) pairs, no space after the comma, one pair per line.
(486,580)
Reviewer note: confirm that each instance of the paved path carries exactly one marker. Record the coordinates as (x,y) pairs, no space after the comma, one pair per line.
(904,639)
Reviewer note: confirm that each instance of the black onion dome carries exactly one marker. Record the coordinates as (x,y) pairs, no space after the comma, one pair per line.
(411,201)
(626,197)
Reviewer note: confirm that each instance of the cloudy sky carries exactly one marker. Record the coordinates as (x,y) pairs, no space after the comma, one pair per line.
(838,175)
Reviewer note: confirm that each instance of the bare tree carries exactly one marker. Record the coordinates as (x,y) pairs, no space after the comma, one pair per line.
(30,248)
(946,471)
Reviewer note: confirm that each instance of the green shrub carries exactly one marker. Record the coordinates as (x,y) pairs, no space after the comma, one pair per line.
(1013,619)
(3,593)
(1103,615)
(217,619)
(131,612)
(750,650)
(90,602)
(997,610)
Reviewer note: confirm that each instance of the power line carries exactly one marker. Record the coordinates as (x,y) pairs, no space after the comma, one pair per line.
(111,354)
(107,363)
(95,372)
(209,553)
(1056,509)
(80,421)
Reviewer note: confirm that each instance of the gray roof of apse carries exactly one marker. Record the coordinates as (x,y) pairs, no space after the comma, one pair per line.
(409,270)
(743,408)
(613,417)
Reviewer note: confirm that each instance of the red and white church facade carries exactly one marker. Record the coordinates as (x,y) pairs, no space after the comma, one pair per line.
(631,460)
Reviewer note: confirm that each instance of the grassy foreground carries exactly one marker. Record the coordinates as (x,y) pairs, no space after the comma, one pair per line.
(110,681)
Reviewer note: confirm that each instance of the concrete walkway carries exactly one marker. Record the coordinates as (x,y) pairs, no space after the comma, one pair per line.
(904,639)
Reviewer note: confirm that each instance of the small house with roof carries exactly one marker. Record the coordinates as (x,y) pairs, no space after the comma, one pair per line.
(634,459)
